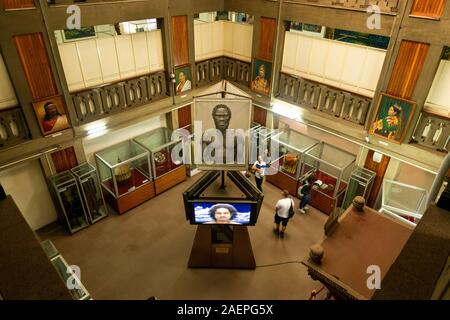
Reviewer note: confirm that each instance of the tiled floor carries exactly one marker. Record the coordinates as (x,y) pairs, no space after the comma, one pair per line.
(144,253)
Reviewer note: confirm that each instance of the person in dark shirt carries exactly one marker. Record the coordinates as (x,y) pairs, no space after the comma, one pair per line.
(304,193)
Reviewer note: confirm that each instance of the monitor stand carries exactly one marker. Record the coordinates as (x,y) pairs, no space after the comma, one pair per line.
(218,246)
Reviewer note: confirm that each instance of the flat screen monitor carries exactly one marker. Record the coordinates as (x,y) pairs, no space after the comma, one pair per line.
(222,213)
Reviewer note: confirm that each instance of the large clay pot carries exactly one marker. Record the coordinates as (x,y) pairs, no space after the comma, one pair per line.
(122,173)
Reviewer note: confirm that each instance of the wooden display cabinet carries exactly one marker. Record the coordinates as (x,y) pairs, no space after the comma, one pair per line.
(167,172)
(125,174)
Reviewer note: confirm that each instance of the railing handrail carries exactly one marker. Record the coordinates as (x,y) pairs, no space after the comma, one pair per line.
(96,103)
(100,86)
(327,85)
(304,2)
(324,98)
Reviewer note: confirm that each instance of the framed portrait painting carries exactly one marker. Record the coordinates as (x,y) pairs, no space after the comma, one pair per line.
(392,117)
(216,118)
(51,114)
(183,79)
(261,75)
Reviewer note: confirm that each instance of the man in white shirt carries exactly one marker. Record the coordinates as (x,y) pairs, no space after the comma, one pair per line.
(282,213)
(259,168)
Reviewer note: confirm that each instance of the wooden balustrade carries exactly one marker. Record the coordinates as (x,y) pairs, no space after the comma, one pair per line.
(333,101)
(13,128)
(96,103)
(432,131)
(386,6)
(216,69)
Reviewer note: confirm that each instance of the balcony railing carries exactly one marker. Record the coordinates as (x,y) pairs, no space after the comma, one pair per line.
(432,131)
(69,2)
(13,129)
(96,103)
(386,6)
(216,69)
(310,94)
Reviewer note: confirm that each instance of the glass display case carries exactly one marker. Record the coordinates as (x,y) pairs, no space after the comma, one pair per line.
(49,249)
(360,184)
(189,163)
(331,168)
(92,192)
(77,290)
(403,201)
(125,175)
(69,201)
(167,172)
(191,166)
(259,141)
(286,164)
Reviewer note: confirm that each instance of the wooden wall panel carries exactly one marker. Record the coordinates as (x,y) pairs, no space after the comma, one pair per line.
(35,62)
(428,8)
(180,40)
(170,180)
(184,116)
(18,4)
(64,159)
(407,68)
(259,115)
(380,170)
(267,38)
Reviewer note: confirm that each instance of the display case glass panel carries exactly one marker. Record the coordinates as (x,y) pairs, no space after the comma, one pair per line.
(123,167)
(92,193)
(70,202)
(360,184)
(78,291)
(292,146)
(406,201)
(331,165)
(160,145)
(49,249)
(259,142)
(188,149)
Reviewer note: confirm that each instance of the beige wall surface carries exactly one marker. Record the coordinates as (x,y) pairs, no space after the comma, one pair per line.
(322,136)
(26,184)
(94,143)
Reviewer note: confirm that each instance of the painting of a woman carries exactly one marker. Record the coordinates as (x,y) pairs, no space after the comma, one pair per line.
(392,117)
(389,125)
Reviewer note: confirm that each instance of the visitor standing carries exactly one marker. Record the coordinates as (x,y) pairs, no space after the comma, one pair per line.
(284,210)
(259,167)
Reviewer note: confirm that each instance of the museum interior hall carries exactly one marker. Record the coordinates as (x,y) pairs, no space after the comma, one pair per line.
(224,150)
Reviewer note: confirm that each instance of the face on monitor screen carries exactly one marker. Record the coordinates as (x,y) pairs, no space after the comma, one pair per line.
(222,213)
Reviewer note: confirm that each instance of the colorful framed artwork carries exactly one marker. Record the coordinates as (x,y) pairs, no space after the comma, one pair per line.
(261,75)
(51,114)
(79,34)
(392,117)
(183,79)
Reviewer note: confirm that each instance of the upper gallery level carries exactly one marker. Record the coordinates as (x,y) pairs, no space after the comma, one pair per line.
(339,65)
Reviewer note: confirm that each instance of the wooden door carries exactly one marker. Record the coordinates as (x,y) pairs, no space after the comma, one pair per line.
(180,40)
(267,38)
(36,65)
(428,8)
(408,66)
(259,115)
(18,4)
(380,170)
(184,116)
(64,160)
